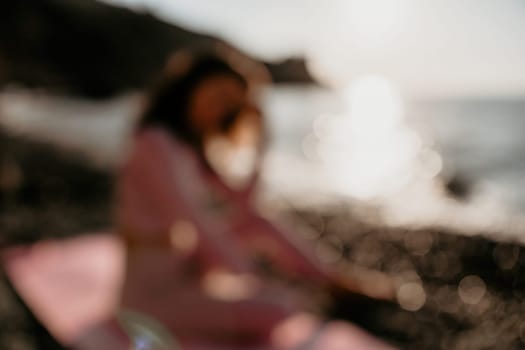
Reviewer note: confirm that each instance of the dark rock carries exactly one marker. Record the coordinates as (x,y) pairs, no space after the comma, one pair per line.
(92,49)
(56,193)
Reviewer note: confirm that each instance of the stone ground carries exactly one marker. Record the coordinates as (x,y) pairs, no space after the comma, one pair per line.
(464,292)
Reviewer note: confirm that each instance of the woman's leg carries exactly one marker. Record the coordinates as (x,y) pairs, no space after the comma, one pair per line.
(338,335)
(158,284)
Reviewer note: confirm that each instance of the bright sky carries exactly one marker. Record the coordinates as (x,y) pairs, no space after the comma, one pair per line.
(450,47)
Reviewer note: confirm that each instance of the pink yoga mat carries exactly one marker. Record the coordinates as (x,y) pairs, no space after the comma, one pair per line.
(69,285)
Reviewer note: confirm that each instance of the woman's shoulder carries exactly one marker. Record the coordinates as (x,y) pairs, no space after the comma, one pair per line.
(152,135)
(158,140)
(157,137)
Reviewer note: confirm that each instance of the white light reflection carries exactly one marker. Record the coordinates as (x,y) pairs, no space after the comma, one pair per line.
(472,289)
(411,296)
(369,149)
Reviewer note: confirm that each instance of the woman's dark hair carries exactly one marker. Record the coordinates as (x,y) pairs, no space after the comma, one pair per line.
(168,106)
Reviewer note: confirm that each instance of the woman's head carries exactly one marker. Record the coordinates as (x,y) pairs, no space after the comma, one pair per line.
(201,96)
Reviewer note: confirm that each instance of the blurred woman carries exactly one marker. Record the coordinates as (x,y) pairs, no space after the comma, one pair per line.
(195,242)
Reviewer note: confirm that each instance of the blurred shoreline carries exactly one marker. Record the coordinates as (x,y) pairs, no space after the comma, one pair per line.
(479,142)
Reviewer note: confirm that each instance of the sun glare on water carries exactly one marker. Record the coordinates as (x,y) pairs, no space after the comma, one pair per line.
(368,149)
